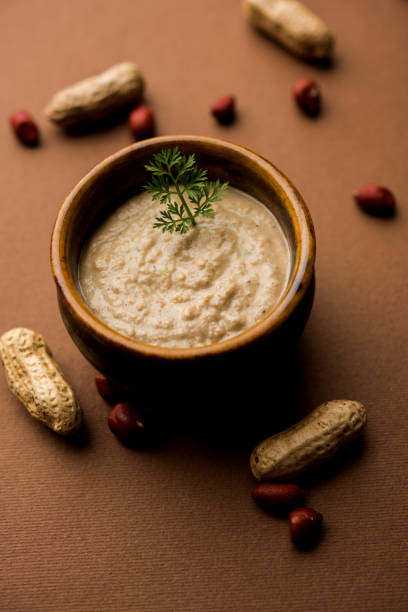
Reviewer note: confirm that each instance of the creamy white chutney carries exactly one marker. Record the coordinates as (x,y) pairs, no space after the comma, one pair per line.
(221,278)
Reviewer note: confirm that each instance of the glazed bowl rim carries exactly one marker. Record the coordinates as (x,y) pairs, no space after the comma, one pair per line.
(298,284)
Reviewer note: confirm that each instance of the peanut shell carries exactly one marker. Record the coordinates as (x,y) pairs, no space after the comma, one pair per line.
(37,381)
(293,25)
(97,97)
(312,440)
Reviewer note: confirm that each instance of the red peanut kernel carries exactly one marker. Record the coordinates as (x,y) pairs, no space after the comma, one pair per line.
(307,95)
(305,526)
(278,498)
(223,109)
(142,122)
(25,128)
(376,200)
(126,423)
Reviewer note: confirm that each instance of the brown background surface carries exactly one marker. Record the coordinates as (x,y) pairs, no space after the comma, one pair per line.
(93,526)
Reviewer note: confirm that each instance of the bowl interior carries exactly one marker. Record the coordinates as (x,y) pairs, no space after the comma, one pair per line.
(125,176)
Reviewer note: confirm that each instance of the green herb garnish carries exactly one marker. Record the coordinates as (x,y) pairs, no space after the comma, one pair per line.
(175,174)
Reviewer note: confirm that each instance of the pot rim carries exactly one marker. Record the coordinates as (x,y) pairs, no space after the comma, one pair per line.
(298,284)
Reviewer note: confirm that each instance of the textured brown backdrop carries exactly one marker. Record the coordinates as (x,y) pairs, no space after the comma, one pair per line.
(93,526)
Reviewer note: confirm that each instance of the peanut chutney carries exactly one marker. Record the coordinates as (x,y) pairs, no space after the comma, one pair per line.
(185,290)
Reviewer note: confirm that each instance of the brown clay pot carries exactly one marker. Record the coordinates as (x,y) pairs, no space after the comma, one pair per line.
(120,176)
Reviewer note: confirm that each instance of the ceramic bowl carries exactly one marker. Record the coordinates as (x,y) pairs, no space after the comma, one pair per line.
(121,175)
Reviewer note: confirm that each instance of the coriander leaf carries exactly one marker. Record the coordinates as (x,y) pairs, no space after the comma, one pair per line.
(175,174)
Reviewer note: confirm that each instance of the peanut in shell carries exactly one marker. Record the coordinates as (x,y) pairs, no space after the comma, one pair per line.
(37,381)
(310,441)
